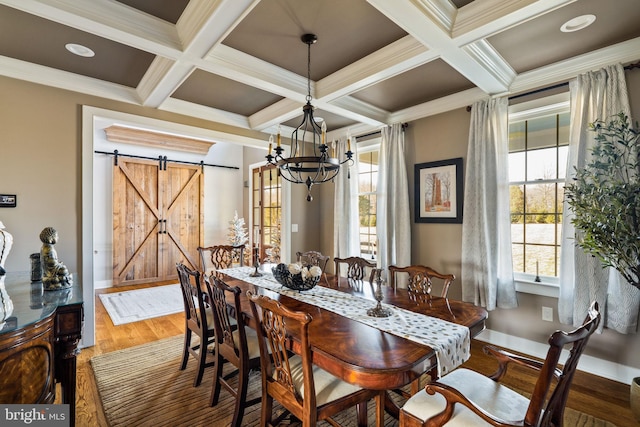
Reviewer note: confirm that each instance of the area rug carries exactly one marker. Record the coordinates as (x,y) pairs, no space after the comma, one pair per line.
(143,386)
(141,304)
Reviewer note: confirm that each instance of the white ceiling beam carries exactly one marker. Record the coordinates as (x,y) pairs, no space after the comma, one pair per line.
(190,109)
(202,25)
(421,20)
(52,77)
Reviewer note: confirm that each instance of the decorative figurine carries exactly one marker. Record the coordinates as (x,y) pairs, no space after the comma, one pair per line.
(54,273)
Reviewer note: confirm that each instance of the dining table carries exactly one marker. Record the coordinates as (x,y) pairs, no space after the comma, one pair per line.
(423,333)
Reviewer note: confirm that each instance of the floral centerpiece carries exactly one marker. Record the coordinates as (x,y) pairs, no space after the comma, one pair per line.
(297,277)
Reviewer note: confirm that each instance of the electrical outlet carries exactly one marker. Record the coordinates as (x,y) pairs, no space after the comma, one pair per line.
(547,314)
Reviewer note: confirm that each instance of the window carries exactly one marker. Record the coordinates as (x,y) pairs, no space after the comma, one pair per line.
(367,182)
(267,211)
(538,149)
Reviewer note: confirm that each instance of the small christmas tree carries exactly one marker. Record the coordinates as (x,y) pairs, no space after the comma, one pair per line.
(238,234)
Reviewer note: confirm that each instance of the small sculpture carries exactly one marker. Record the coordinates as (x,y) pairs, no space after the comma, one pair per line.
(55,274)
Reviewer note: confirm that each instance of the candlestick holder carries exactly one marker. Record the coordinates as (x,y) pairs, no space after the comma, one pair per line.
(537,279)
(256,263)
(379,310)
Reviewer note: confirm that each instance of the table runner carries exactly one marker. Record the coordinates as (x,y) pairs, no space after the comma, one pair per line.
(450,341)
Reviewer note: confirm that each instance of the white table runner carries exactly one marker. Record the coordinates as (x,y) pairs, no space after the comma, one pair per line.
(450,341)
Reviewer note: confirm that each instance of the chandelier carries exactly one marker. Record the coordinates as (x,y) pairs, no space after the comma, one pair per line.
(310,160)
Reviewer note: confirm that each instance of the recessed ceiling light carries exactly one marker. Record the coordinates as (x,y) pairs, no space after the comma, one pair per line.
(577,23)
(78,49)
(318,119)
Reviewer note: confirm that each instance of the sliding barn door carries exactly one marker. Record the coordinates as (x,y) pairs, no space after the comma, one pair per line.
(157,219)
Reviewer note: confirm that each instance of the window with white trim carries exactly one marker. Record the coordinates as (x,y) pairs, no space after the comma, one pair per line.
(367,199)
(538,149)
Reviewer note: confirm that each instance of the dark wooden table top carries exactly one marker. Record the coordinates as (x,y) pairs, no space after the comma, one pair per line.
(362,354)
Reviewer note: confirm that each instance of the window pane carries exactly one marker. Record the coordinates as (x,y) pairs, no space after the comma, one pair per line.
(541,199)
(516,167)
(517,233)
(516,201)
(542,164)
(541,133)
(540,233)
(517,252)
(517,136)
(563,153)
(544,257)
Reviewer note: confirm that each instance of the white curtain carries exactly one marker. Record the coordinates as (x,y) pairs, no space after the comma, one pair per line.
(346,237)
(393,222)
(594,95)
(487,272)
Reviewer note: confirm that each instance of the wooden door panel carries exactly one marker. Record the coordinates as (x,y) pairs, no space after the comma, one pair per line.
(136,222)
(183,195)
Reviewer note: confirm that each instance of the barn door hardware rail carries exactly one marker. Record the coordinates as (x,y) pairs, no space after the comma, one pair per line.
(162,160)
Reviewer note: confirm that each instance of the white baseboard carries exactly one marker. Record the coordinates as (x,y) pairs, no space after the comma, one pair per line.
(102,284)
(593,365)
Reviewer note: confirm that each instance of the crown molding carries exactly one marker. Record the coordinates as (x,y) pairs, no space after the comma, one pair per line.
(441,105)
(489,58)
(627,51)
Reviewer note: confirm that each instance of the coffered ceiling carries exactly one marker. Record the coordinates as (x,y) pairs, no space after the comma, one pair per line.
(376,62)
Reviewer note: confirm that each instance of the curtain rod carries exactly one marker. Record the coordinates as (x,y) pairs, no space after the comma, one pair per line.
(532,92)
(161,159)
(404,126)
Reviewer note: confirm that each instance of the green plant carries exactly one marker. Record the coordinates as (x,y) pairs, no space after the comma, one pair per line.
(605,198)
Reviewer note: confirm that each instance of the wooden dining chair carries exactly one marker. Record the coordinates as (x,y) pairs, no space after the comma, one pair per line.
(357,269)
(235,344)
(198,321)
(313,258)
(420,278)
(465,397)
(306,391)
(217,257)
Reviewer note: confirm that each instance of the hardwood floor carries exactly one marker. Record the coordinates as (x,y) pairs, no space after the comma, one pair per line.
(600,397)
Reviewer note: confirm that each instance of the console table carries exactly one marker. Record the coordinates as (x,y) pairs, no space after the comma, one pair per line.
(39,342)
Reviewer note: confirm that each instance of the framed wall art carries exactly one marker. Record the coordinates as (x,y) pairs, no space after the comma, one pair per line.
(438,188)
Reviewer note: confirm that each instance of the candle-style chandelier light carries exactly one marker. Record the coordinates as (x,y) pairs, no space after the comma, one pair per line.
(310,160)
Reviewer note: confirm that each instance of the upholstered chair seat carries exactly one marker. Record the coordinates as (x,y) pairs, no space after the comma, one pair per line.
(491,396)
(328,387)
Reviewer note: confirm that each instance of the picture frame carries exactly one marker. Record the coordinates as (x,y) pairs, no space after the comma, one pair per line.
(438,191)
(8,200)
